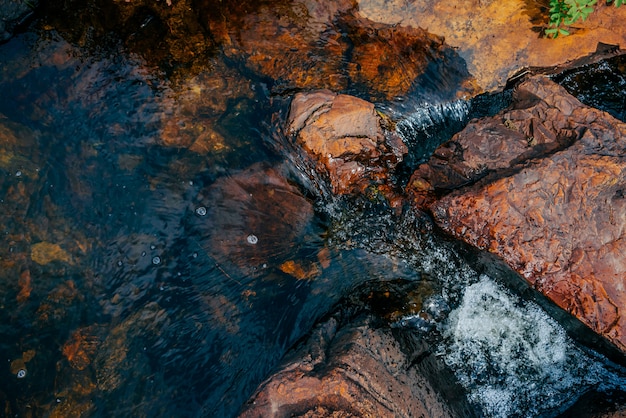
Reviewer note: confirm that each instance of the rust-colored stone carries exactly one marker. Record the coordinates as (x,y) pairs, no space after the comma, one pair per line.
(81,348)
(300,271)
(321,45)
(498,38)
(549,199)
(46,252)
(25,285)
(345,136)
(257,220)
(353,370)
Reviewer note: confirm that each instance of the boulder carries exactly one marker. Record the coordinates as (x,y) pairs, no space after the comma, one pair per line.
(541,185)
(496,38)
(346,138)
(348,370)
(13,13)
(307,44)
(251,220)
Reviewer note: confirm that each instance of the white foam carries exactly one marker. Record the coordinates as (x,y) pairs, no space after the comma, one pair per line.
(513,358)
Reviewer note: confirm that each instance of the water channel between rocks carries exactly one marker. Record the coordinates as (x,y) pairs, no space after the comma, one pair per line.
(141,279)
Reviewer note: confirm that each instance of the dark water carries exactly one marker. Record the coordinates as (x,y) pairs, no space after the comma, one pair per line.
(142,278)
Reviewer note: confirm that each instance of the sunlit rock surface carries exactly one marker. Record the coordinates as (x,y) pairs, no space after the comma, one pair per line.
(549,198)
(498,38)
(346,137)
(346,370)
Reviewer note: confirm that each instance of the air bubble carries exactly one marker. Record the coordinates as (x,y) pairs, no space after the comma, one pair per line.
(201,211)
(21,373)
(156,260)
(252,239)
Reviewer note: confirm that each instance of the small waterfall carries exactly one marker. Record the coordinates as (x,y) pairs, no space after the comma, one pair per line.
(425,126)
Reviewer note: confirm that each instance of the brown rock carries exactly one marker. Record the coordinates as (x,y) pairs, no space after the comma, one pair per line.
(351,371)
(321,45)
(345,136)
(496,38)
(46,252)
(257,220)
(551,202)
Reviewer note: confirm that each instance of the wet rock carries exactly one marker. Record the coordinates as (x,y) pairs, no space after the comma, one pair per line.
(81,348)
(512,32)
(549,178)
(347,370)
(46,252)
(322,45)
(251,220)
(13,13)
(346,138)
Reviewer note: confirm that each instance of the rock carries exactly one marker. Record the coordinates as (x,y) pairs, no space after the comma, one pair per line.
(13,13)
(485,29)
(345,371)
(345,137)
(251,220)
(305,44)
(549,177)
(43,253)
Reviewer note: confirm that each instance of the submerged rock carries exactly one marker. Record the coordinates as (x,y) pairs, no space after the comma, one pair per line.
(315,45)
(13,13)
(544,190)
(250,221)
(346,138)
(347,370)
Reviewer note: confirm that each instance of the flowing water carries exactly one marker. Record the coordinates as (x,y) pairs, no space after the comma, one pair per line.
(143,278)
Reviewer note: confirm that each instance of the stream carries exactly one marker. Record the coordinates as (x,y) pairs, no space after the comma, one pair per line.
(139,277)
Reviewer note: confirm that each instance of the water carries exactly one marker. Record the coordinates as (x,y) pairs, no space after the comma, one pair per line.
(158,258)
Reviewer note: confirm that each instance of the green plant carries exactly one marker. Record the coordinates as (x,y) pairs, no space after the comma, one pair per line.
(567,12)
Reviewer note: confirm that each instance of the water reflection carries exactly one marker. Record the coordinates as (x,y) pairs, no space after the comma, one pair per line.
(158,260)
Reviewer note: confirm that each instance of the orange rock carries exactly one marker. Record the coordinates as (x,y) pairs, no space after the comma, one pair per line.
(552,207)
(349,370)
(497,38)
(45,252)
(24,283)
(344,135)
(306,44)
(81,348)
(299,271)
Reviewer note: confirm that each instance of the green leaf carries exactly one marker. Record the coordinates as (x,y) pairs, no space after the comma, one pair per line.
(563,32)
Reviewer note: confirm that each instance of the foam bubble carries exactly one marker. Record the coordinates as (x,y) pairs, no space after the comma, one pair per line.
(511,356)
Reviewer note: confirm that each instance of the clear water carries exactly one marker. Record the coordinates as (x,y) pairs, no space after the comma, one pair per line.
(136,279)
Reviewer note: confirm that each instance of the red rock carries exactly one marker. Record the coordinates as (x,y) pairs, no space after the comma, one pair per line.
(496,39)
(548,199)
(253,220)
(321,45)
(347,371)
(346,138)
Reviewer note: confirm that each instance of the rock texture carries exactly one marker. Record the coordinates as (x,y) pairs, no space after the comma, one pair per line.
(346,138)
(308,44)
(550,176)
(497,38)
(353,370)
(251,220)
(12,14)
